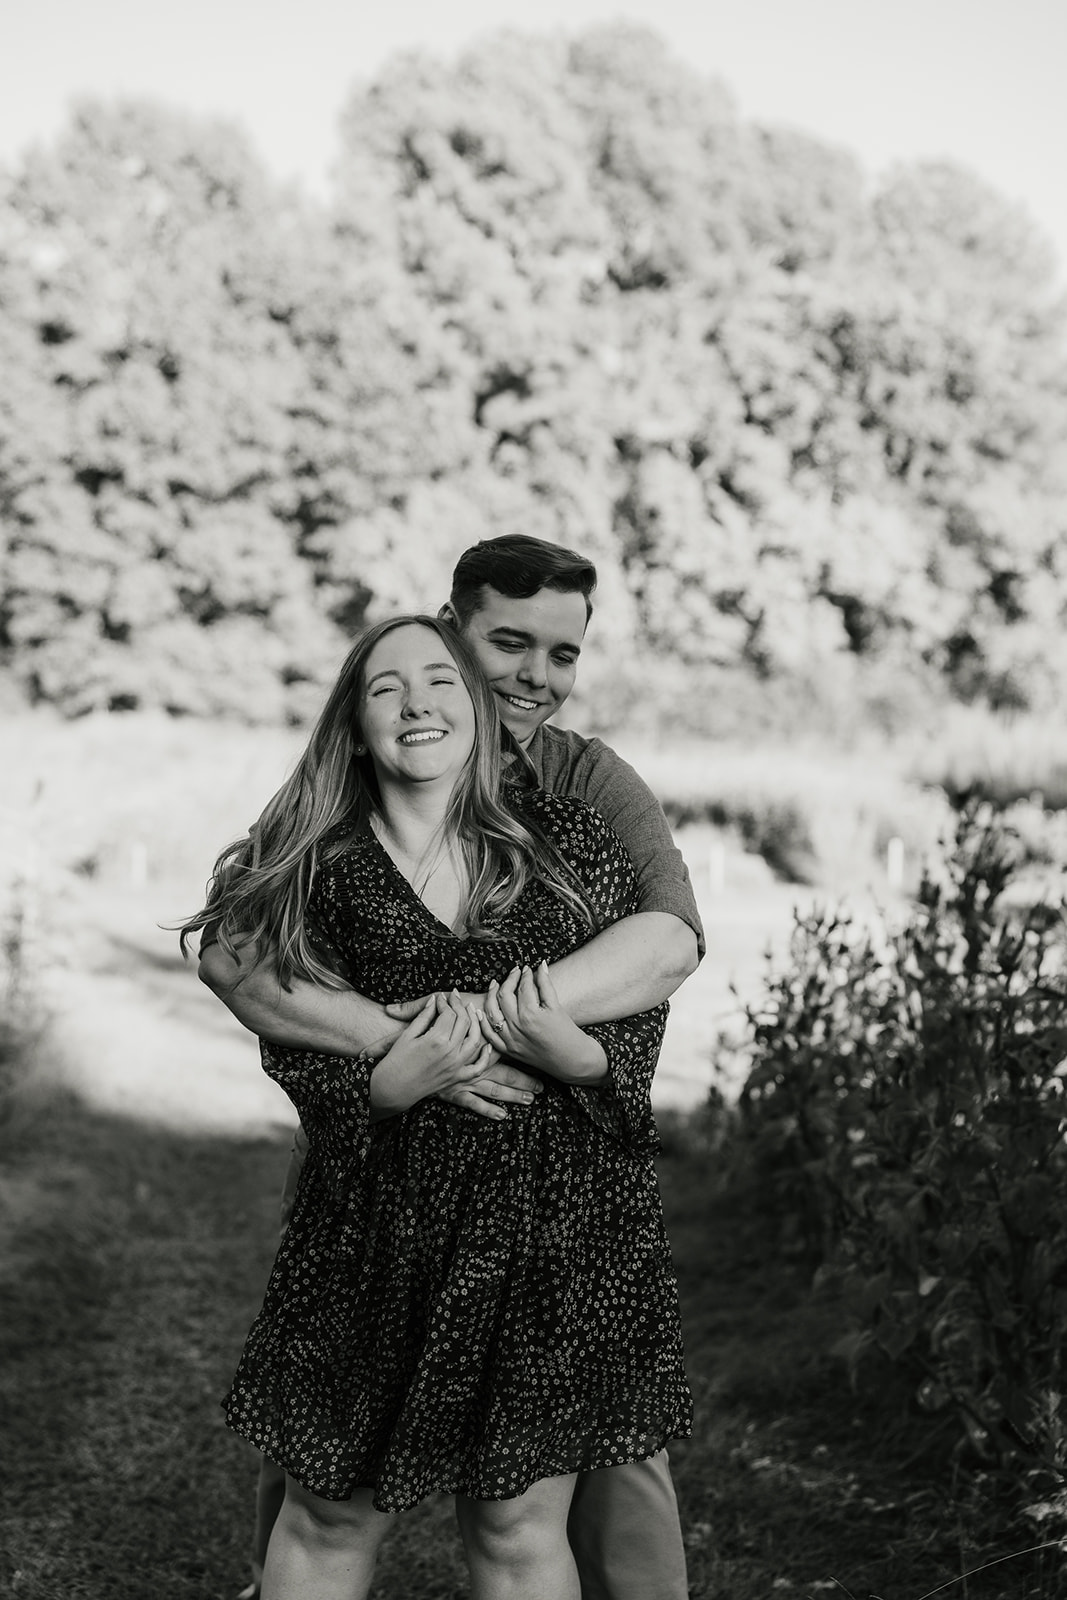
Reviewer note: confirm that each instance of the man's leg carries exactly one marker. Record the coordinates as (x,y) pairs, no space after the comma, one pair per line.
(625,1533)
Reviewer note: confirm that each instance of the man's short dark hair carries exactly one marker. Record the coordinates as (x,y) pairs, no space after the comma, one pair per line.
(518,566)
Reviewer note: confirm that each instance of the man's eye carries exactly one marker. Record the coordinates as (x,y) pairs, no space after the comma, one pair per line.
(564,661)
(508,644)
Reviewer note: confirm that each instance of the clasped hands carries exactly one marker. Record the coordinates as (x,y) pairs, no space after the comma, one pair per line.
(464,1048)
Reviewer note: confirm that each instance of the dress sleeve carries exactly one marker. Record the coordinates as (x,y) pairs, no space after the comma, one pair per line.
(621,1106)
(332,1096)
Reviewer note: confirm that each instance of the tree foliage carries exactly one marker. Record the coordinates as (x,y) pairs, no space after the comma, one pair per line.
(809,430)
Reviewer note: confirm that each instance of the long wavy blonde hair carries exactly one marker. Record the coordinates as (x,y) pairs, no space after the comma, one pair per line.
(261,885)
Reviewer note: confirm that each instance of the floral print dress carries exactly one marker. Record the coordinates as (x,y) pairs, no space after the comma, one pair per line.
(461,1304)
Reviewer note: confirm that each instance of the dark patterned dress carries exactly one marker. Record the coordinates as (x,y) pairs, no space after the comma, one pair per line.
(461,1304)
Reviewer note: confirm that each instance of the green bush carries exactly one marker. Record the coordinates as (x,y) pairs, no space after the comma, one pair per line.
(906,1112)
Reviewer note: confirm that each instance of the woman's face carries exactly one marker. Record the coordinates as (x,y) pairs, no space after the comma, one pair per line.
(416,715)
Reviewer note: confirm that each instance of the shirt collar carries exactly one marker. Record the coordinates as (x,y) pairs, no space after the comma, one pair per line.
(523,768)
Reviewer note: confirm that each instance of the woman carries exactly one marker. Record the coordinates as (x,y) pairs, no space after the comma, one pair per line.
(461,1305)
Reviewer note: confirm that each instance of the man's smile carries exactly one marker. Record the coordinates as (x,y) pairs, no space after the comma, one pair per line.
(516,700)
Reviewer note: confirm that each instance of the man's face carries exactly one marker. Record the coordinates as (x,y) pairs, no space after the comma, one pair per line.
(528,650)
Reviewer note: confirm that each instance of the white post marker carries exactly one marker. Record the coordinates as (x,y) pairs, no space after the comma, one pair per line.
(894,862)
(138,864)
(717,866)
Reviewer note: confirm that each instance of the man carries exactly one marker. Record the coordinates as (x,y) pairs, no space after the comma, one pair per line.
(524,605)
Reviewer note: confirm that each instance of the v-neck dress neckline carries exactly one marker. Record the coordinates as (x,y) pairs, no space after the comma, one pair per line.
(395,872)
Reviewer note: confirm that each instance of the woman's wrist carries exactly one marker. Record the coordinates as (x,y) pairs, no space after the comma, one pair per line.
(585,1064)
(390,1095)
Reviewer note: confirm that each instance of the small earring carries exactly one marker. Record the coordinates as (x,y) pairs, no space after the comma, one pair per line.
(361,749)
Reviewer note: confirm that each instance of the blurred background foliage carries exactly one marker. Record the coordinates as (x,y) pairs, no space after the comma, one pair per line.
(813,430)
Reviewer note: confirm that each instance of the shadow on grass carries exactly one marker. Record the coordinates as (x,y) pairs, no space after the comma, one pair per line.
(797,1485)
(133,1258)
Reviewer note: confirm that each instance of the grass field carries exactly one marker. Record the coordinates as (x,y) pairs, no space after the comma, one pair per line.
(133,1255)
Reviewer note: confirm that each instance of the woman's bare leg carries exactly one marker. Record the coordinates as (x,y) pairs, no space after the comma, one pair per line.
(517,1549)
(323,1549)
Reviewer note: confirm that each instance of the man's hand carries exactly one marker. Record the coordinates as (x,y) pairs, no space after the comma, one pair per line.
(408,1010)
(524,1019)
(443,1048)
(501,1083)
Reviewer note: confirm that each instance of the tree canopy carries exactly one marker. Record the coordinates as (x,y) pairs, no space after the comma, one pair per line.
(813,430)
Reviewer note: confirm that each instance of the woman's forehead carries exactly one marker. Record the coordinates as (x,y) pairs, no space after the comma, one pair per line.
(410,648)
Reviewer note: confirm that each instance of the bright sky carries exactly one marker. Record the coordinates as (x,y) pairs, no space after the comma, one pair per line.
(980,81)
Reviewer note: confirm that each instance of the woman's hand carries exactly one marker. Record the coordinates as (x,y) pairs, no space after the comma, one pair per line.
(442,1047)
(523,1019)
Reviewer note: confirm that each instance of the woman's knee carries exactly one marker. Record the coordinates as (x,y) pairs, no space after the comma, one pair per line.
(496,1526)
(311,1518)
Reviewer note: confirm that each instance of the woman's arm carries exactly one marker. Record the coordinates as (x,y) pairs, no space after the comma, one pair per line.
(339,1097)
(331,1094)
(523,1017)
(608,1067)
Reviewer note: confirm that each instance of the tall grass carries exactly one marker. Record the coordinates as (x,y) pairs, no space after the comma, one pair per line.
(27,945)
(139,796)
(815,815)
(1000,757)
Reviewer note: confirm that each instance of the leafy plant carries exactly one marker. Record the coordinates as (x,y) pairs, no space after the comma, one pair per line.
(906,1105)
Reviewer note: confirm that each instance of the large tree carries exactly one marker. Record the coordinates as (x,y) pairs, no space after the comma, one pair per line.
(812,432)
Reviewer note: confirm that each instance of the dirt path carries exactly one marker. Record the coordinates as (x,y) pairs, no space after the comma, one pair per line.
(136,1033)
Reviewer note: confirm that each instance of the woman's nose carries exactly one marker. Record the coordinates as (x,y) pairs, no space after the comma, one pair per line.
(416,703)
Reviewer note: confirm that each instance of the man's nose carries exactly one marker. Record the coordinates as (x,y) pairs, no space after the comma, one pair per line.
(534,669)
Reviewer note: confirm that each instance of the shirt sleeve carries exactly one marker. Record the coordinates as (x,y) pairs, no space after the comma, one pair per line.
(611,786)
(332,1097)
